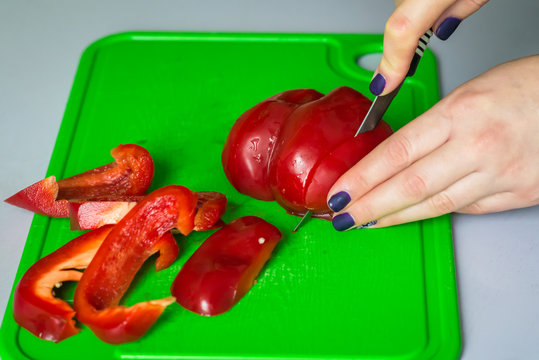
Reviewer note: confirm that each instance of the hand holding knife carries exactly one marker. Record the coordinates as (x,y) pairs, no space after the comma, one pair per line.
(381,103)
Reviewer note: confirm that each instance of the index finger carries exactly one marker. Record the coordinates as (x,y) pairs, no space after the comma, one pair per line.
(411,143)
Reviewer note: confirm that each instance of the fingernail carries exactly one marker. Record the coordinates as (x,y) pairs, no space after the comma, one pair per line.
(447,27)
(367,225)
(343,222)
(377,84)
(338,201)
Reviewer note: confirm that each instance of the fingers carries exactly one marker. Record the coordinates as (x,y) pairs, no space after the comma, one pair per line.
(450,19)
(415,140)
(403,29)
(414,185)
(411,19)
(461,194)
(494,203)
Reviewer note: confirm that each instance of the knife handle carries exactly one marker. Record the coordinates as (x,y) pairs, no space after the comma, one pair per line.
(423,42)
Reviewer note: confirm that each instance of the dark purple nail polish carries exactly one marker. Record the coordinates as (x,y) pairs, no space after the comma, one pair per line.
(377,84)
(447,27)
(367,225)
(343,222)
(338,201)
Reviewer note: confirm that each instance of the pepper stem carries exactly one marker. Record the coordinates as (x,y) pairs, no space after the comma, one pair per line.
(307,215)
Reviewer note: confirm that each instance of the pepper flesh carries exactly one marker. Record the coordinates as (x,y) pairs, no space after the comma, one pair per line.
(88,215)
(41,199)
(225,266)
(130,174)
(210,207)
(119,258)
(34,306)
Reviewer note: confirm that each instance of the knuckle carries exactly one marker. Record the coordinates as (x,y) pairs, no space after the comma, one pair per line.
(464,103)
(399,151)
(474,208)
(361,182)
(466,109)
(442,203)
(398,26)
(486,140)
(415,186)
(366,212)
(476,4)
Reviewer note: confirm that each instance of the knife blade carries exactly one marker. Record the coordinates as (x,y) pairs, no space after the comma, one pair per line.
(381,103)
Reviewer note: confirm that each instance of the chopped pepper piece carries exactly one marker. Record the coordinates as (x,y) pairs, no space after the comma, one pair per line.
(210,207)
(119,258)
(88,215)
(225,266)
(41,199)
(130,174)
(34,306)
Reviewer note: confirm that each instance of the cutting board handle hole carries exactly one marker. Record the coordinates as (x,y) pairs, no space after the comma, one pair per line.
(369,61)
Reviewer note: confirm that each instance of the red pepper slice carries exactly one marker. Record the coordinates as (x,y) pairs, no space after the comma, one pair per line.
(210,207)
(41,199)
(88,215)
(119,258)
(130,174)
(34,306)
(225,266)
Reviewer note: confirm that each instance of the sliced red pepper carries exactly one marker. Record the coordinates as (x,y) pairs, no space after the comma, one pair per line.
(130,174)
(41,199)
(225,266)
(34,306)
(210,207)
(119,258)
(88,215)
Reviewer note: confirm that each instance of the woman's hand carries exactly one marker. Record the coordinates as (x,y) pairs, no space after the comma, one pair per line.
(476,151)
(410,20)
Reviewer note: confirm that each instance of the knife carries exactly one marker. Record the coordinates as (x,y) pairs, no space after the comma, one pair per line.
(381,103)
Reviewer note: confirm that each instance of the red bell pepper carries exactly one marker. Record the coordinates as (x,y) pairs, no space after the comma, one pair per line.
(130,174)
(248,151)
(225,266)
(295,156)
(34,306)
(93,214)
(119,258)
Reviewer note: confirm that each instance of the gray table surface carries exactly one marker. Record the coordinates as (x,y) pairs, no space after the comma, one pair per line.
(497,255)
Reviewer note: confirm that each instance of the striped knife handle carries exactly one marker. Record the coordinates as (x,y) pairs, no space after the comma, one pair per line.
(423,42)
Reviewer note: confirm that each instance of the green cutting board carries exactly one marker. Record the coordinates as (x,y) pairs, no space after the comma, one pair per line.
(363,294)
